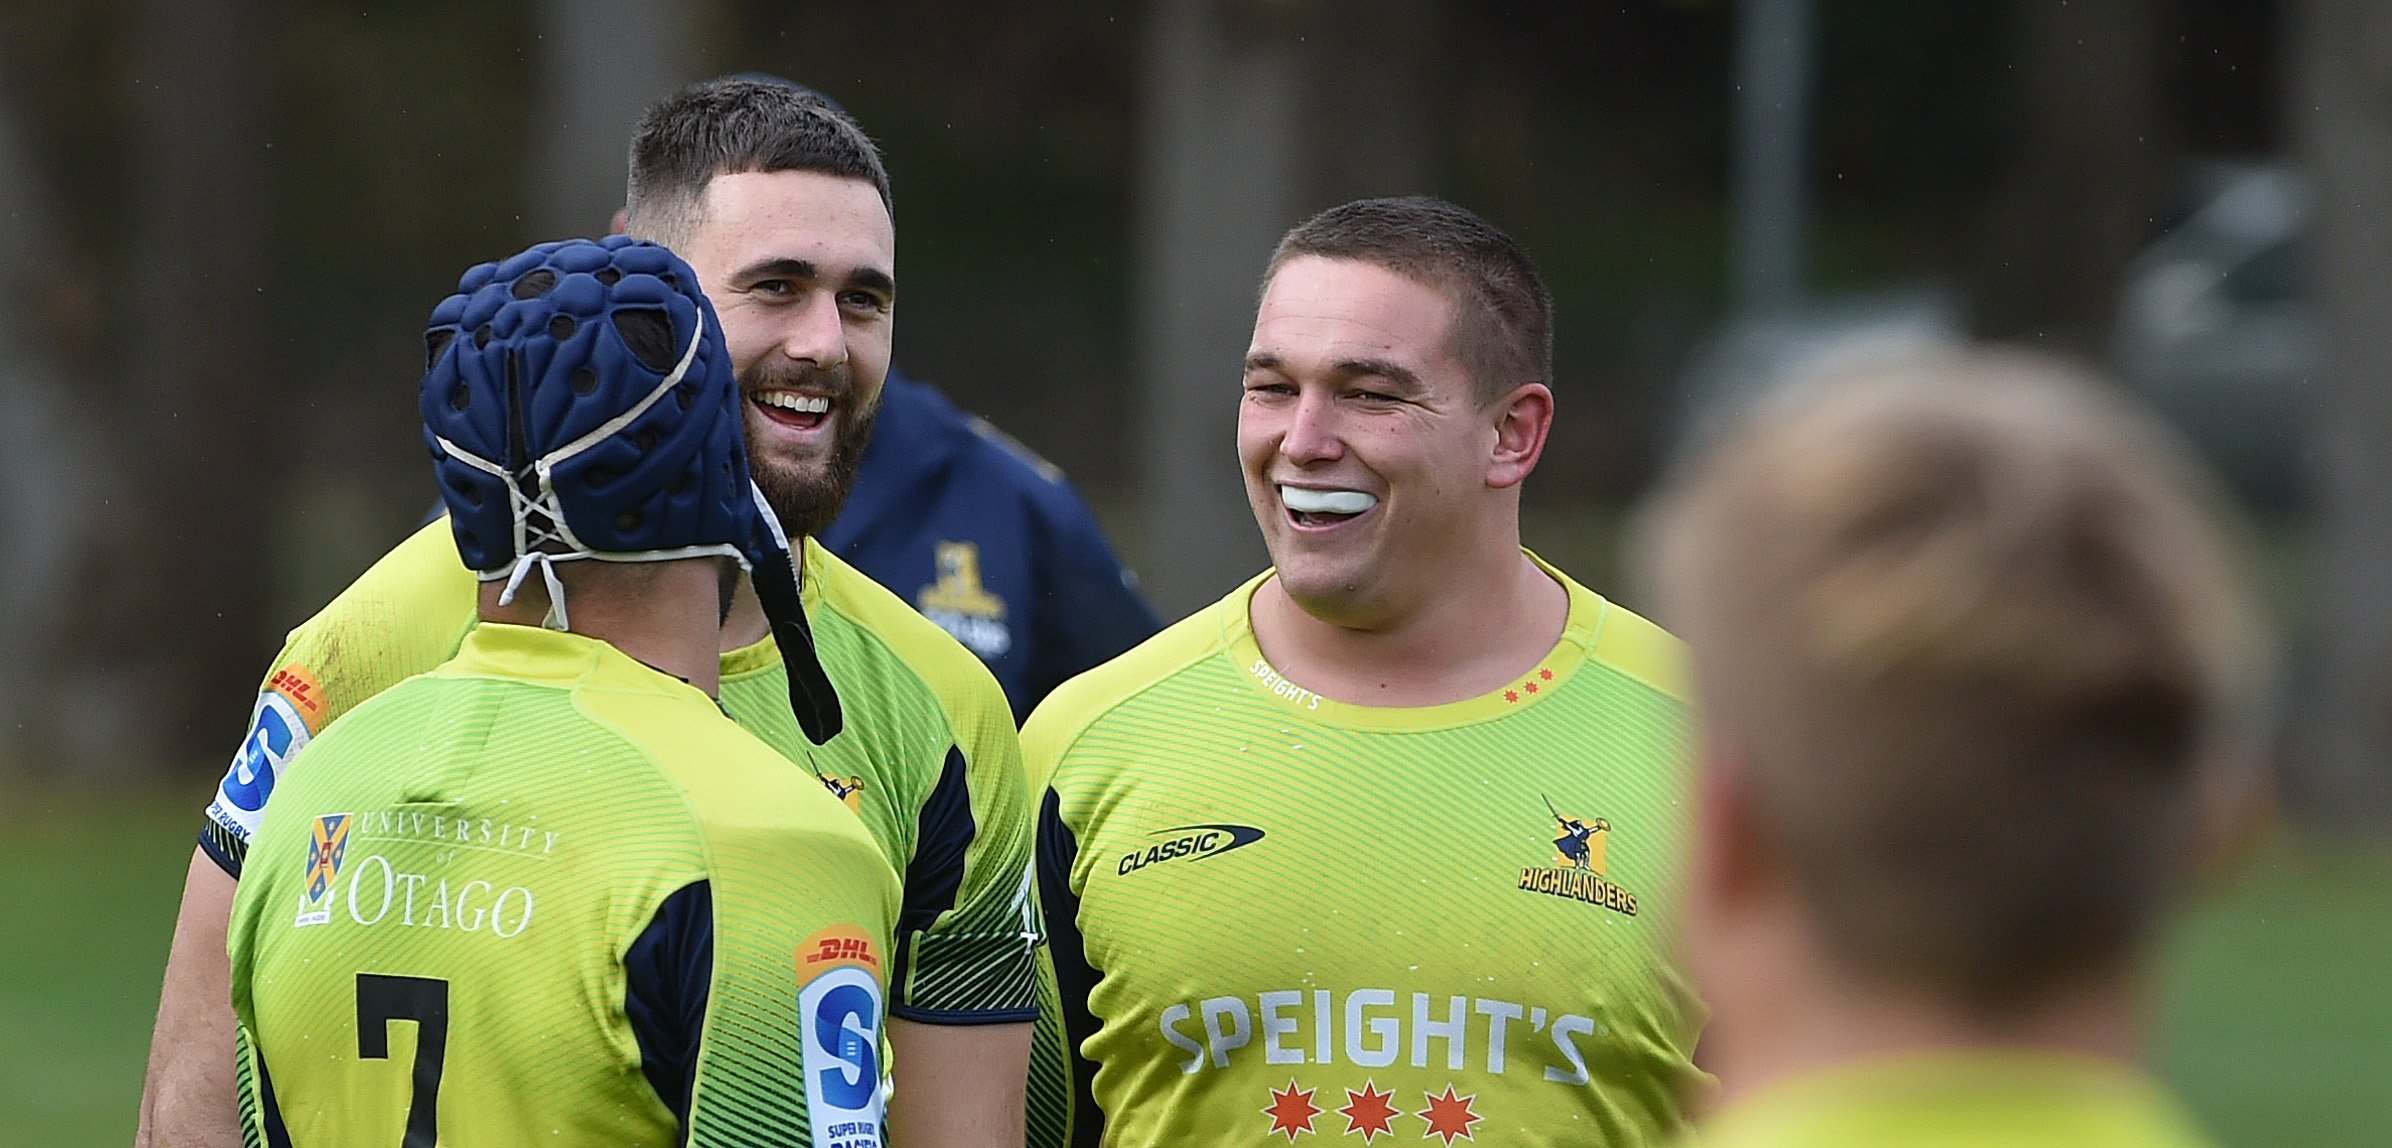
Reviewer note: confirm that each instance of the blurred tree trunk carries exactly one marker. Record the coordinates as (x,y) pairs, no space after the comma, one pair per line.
(170,615)
(2092,154)
(2344,124)
(602,62)
(44,463)
(1257,113)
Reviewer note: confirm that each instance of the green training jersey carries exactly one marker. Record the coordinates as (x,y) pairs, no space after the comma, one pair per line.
(1985,1099)
(1274,914)
(929,757)
(443,929)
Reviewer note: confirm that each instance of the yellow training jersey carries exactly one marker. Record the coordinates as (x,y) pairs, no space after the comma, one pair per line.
(928,758)
(1275,915)
(548,895)
(1987,1099)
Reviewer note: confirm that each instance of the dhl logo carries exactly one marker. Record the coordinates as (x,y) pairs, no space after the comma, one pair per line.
(838,945)
(294,682)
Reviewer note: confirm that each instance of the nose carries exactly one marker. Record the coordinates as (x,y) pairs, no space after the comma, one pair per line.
(815,334)
(1312,430)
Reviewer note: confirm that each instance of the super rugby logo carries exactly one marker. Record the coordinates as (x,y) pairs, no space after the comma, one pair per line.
(840,1006)
(1189,843)
(1579,866)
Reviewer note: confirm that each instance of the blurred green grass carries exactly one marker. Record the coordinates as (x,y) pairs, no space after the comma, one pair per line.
(2276,1010)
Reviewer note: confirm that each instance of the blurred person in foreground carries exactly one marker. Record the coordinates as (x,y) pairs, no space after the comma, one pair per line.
(1384,842)
(607,914)
(782,207)
(1974,663)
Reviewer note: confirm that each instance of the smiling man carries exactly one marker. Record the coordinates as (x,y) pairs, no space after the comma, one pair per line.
(782,208)
(1381,843)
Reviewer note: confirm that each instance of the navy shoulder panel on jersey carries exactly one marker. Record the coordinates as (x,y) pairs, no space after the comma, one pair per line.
(666,977)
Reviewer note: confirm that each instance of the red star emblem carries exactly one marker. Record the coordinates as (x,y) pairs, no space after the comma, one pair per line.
(1368,1112)
(1545,674)
(1291,1111)
(1511,695)
(1532,687)
(1449,1116)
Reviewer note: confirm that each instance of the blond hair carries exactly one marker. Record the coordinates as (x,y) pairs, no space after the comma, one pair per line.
(1982,655)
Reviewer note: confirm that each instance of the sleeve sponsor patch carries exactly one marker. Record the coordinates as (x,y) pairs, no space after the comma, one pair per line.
(278,730)
(840,1007)
(305,693)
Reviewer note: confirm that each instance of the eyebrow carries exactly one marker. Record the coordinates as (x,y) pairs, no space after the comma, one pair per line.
(784,267)
(1393,372)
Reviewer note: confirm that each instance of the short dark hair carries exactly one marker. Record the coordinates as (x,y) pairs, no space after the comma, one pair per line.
(1503,315)
(737,124)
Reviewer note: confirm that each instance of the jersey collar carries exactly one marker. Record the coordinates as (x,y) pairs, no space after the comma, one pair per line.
(2013,1095)
(764,654)
(558,658)
(1579,631)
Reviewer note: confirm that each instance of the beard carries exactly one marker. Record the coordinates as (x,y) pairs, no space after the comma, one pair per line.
(806,496)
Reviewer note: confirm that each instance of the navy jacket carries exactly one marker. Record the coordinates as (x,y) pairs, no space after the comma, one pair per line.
(989,541)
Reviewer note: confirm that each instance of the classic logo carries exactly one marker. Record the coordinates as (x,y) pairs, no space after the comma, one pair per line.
(849,790)
(839,1007)
(1189,843)
(962,606)
(1577,869)
(327,848)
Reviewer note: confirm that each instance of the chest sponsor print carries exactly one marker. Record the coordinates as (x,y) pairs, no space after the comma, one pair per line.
(1188,843)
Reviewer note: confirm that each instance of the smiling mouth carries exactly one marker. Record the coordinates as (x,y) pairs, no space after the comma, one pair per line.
(1313,507)
(793,409)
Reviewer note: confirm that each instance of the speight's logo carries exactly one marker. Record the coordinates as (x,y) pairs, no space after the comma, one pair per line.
(1189,843)
(1576,870)
(327,847)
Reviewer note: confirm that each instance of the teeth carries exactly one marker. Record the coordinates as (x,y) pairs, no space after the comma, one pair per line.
(1304,501)
(792,401)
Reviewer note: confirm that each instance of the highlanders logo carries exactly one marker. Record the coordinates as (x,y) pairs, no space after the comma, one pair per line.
(327,847)
(849,790)
(1577,868)
(962,606)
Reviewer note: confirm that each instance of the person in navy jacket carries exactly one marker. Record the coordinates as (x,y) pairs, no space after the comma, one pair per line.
(990,541)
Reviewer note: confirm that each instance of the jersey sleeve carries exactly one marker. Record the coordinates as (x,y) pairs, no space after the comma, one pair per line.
(968,938)
(793,1049)
(404,616)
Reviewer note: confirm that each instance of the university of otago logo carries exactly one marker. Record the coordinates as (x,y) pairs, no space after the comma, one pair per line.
(1576,871)
(327,848)
(849,790)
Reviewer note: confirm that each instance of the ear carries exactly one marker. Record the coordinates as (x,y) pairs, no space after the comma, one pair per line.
(1734,862)
(1522,420)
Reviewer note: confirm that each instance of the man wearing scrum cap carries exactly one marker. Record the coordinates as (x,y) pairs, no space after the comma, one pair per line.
(782,208)
(549,892)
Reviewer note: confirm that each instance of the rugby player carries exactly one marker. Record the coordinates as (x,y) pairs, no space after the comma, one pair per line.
(1972,662)
(1312,859)
(781,206)
(602,912)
